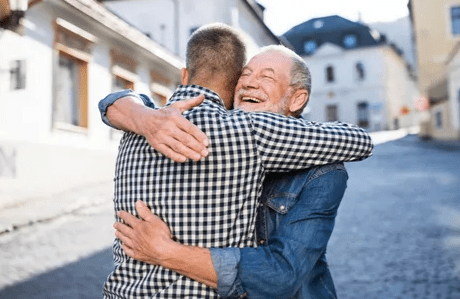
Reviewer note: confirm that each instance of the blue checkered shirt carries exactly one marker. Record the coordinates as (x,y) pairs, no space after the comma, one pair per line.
(212,203)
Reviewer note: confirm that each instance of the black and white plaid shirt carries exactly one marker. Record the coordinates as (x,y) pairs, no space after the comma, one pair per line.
(212,203)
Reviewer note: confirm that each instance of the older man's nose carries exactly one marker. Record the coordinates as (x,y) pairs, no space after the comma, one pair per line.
(251,81)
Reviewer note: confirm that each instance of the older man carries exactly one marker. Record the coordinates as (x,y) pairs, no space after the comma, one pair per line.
(212,203)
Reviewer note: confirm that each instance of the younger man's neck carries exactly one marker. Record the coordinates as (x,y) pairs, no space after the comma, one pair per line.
(220,88)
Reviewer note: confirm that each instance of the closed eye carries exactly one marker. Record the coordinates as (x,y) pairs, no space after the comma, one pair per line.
(268,77)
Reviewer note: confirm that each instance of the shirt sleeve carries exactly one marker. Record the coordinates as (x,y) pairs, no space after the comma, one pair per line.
(111,98)
(287,143)
(279,269)
(225,261)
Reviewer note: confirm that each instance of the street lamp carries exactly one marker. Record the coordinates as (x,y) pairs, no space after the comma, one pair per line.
(15,10)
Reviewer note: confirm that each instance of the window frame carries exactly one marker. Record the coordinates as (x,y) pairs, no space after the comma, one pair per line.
(363,122)
(336,113)
(305,48)
(448,20)
(345,36)
(438,117)
(360,77)
(81,57)
(330,76)
(18,73)
(451,6)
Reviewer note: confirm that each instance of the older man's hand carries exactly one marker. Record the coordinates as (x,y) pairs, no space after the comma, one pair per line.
(147,239)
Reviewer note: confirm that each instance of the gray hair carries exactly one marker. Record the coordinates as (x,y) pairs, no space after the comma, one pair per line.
(300,74)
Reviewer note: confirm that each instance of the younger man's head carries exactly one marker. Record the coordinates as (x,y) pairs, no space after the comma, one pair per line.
(215,57)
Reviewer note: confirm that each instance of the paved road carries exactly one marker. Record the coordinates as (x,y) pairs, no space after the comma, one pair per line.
(397,234)
(398,230)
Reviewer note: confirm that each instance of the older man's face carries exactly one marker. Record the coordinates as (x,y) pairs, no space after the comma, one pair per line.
(265,84)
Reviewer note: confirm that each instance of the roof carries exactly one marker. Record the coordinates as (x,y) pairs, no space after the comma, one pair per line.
(257,10)
(112,22)
(331,29)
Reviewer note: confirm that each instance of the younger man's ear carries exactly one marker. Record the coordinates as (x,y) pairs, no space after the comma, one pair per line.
(184,76)
(298,100)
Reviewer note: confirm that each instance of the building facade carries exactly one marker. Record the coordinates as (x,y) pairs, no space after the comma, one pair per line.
(436,32)
(357,76)
(56,64)
(171,22)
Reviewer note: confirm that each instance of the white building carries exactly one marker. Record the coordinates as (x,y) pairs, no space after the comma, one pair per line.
(357,76)
(171,22)
(64,57)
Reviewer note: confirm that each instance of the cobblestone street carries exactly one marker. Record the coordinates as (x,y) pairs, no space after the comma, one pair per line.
(397,234)
(398,229)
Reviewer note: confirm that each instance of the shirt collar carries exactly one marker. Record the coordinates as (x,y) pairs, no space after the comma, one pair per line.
(192,90)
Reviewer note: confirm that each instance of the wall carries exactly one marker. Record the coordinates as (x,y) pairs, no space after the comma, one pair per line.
(445,131)
(347,91)
(148,16)
(434,39)
(401,90)
(38,159)
(454,92)
(386,86)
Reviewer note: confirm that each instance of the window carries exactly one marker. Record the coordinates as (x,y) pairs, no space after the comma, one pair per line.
(123,77)
(332,113)
(123,71)
(360,71)
(350,41)
(318,24)
(438,117)
(17,74)
(159,88)
(310,47)
(70,105)
(330,74)
(120,83)
(363,115)
(455,19)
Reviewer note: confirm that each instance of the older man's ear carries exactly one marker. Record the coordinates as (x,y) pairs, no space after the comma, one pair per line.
(298,100)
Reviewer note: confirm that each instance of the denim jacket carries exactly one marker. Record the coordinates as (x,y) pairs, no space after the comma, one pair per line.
(111,98)
(295,220)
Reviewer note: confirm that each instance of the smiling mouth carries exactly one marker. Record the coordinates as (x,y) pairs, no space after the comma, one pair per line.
(251,100)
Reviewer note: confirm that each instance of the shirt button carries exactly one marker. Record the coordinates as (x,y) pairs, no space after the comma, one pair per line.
(243,295)
(261,205)
(282,208)
(262,241)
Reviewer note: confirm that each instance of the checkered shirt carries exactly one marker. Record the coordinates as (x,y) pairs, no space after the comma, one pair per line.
(212,203)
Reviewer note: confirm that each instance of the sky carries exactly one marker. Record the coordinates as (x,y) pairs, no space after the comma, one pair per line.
(282,15)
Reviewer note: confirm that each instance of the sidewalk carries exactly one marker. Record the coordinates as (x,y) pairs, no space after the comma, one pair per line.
(47,206)
(386,136)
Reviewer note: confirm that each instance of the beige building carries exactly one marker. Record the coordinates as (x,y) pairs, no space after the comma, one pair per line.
(436,31)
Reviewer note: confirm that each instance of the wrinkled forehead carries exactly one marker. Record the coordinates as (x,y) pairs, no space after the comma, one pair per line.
(275,61)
